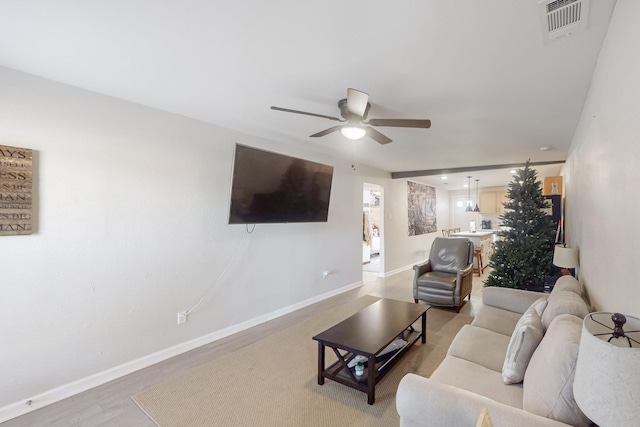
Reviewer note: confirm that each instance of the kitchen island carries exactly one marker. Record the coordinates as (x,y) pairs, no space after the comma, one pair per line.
(482,239)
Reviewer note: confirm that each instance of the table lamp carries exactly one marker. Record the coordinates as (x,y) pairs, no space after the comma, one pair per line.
(607,378)
(565,257)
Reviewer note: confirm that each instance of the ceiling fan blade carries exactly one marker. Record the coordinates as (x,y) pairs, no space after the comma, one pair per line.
(326,131)
(401,123)
(287,110)
(357,102)
(377,136)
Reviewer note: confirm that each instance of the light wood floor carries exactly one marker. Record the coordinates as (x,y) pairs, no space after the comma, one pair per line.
(111,404)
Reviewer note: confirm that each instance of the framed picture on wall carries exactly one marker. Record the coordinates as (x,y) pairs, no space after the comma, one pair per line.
(421,203)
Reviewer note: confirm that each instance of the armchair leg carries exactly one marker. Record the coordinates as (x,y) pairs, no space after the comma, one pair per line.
(462,302)
(415,300)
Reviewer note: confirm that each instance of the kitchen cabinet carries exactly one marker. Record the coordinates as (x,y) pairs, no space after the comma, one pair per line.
(488,202)
(492,201)
(503,197)
(552,186)
(486,244)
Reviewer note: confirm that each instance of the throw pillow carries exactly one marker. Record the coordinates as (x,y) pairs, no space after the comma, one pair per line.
(564,302)
(539,305)
(567,283)
(548,382)
(524,340)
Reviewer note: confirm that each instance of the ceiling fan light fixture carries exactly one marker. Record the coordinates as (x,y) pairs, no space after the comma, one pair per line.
(354,109)
(353,132)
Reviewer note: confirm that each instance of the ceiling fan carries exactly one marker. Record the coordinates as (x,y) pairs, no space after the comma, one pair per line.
(354,110)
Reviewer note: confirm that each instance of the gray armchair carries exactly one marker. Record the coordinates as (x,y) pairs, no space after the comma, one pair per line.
(445,279)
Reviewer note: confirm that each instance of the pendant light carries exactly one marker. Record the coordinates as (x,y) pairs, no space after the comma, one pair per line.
(477,208)
(469,209)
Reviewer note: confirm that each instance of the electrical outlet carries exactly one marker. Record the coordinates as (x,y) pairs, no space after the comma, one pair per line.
(182,317)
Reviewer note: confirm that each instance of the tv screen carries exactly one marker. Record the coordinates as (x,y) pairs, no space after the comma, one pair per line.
(273,188)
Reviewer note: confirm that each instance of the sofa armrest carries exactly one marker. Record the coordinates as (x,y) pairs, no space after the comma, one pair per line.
(423,402)
(516,300)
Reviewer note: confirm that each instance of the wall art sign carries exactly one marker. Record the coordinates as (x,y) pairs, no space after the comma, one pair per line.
(16,178)
(421,201)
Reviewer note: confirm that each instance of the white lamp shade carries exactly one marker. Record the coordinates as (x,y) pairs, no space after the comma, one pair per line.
(352,132)
(607,379)
(565,257)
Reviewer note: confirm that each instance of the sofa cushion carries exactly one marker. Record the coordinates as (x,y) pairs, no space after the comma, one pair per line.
(496,319)
(517,300)
(567,283)
(481,346)
(477,379)
(548,381)
(524,340)
(564,302)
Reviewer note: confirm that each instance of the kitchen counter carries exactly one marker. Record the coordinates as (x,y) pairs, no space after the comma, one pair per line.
(482,239)
(480,233)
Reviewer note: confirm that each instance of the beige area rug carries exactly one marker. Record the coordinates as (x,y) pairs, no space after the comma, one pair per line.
(273,382)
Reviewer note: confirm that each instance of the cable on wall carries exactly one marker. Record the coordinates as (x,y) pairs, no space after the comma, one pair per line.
(215,284)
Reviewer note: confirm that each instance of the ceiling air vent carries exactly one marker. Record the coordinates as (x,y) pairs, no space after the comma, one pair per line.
(560,18)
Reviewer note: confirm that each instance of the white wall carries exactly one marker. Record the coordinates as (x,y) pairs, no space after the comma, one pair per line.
(132,229)
(403,251)
(602,171)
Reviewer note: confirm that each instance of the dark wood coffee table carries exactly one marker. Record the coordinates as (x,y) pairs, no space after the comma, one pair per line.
(367,333)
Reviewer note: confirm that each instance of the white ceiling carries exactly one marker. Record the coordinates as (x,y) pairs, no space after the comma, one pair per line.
(494,91)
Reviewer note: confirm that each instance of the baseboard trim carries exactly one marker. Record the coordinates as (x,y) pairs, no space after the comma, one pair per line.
(397,270)
(57,394)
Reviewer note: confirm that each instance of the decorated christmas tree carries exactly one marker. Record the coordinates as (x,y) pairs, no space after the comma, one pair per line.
(524,254)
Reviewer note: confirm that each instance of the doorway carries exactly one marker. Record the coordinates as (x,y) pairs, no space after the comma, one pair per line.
(372,230)
(462,218)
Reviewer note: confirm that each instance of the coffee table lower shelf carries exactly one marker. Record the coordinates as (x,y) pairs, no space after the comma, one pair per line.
(341,373)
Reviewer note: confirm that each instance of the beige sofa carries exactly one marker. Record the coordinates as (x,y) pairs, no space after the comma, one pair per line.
(516,359)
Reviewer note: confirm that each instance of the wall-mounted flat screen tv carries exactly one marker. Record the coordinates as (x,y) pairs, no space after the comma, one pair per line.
(273,188)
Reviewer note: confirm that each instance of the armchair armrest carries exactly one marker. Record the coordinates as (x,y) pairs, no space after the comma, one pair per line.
(423,402)
(516,300)
(422,268)
(464,281)
(465,271)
